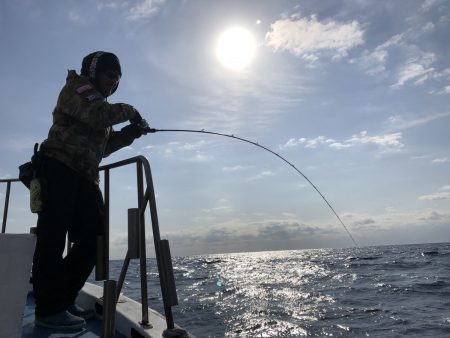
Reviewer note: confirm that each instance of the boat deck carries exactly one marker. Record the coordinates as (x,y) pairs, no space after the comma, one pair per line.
(93,327)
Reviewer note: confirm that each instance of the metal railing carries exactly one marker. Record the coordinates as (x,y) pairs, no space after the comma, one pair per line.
(136,240)
(8,182)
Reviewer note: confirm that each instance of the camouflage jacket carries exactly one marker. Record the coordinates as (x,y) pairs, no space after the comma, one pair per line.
(82,134)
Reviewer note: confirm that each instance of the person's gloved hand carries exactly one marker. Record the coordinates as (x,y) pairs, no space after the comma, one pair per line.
(133,130)
(136,130)
(145,128)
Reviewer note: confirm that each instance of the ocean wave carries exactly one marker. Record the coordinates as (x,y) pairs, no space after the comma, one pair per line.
(388,291)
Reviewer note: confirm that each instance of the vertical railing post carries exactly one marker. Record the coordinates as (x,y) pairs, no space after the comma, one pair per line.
(163,258)
(109,308)
(5,210)
(102,265)
(142,250)
(167,279)
(106,231)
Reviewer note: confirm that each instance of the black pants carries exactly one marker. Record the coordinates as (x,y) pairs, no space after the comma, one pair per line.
(73,206)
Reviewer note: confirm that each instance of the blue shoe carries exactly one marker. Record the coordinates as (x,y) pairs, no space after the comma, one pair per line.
(80,312)
(64,321)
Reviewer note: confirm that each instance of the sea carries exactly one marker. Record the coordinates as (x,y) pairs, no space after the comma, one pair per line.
(378,291)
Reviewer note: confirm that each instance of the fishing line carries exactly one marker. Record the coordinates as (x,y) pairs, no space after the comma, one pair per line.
(202,131)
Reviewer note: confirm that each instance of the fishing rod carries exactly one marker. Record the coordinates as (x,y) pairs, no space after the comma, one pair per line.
(202,131)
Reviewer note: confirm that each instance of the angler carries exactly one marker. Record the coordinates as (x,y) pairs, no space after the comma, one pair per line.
(66,168)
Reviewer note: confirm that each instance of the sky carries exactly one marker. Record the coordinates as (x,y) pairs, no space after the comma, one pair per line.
(354,93)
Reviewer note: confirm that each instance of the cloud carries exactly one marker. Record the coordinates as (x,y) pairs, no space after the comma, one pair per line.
(444,91)
(188,151)
(419,157)
(442,194)
(310,38)
(199,157)
(144,10)
(358,221)
(444,19)
(318,141)
(241,236)
(374,63)
(417,70)
(408,64)
(191,146)
(108,5)
(234,168)
(308,143)
(429,27)
(441,160)
(362,222)
(393,219)
(433,216)
(260,231)
(231,112)
(261,175)
(397,122)
(428,4)
(76,17)
(387,142)
(282,231)
(221,206)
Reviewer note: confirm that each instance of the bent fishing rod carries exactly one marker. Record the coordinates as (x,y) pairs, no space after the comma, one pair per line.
(202,131)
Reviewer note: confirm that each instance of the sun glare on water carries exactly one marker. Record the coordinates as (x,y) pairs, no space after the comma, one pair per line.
(236,48)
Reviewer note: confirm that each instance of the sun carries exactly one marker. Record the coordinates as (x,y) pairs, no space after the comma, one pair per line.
(236,48)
